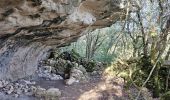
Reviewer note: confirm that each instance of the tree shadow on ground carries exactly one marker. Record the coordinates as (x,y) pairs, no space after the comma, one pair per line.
(98,87)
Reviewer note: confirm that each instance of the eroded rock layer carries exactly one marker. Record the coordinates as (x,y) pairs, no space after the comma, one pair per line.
(30,28)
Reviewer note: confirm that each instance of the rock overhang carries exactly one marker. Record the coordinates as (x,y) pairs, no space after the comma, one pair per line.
(30,28)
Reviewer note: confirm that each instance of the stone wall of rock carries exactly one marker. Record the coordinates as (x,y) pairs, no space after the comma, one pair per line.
(30,28)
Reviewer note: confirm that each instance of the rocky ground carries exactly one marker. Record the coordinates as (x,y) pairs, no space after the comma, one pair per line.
(96,88)
(67,78)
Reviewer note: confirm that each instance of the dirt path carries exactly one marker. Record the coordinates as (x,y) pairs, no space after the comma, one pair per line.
(98,88)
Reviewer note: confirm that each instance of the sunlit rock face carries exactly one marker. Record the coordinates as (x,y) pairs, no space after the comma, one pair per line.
(30,28)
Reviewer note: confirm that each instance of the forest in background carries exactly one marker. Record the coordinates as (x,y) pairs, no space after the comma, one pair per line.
(138,47)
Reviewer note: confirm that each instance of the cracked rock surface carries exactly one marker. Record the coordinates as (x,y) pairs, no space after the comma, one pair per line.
(31,28)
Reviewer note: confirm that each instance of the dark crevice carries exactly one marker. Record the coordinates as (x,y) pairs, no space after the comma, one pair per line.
(36,29)
(41,9)
(8,12)
(34,16)
(36,2)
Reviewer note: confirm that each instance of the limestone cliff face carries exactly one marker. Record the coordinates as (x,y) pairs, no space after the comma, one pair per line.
(30,28)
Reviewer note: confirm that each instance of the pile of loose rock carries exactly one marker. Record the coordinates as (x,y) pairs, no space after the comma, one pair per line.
(16,88)
(47,73)
(23,87)
(70,72)
(68,66)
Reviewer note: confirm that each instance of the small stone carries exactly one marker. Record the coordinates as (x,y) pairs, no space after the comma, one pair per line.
(100,72)
(1,84)
(29,93)
(25,90)
(77,74)
(19,91)
(82,69)
(16,95)
(53,70)
(33,83)
(18,88)
(17,84)
(75,64)
(47,68)
(40,92)
(52,62)
(33,89)
(5,83)
(47,79)
(68,61)
(28,82)
(94,73)
(21,85)
(56,77)
(26,86)
(11,89)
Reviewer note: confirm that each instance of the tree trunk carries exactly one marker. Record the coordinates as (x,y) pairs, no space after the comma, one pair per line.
(156,89)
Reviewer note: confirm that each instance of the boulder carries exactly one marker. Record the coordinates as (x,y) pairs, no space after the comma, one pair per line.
(40,92)
(50,94)
(70,81)
(77,74)
(53,93)
(16,95)
(33,89)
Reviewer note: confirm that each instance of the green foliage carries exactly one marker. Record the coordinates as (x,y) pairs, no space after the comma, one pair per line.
(102,56)
(165,96)
(157,81)
(140,37)
(119,68)
(89,65)
(73,56)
